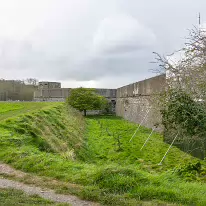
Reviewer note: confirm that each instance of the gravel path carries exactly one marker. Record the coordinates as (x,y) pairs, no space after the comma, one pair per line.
(33,190)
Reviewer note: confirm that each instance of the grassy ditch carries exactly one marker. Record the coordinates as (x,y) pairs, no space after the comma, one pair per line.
(95,152)
(108,140)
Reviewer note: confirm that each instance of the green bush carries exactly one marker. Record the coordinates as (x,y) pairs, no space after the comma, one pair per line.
(186,116)
(190,171)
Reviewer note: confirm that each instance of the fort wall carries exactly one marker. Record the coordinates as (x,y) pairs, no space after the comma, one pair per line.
(16,90)
(136,101)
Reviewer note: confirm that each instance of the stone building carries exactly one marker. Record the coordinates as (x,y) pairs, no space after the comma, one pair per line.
(49,85)
(52,91)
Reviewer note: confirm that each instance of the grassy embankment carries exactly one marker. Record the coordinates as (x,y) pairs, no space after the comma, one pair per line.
(8,110)
(95,153)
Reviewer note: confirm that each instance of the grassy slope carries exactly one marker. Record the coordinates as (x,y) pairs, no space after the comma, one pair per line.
(10,109)
(50,142)
(103,133)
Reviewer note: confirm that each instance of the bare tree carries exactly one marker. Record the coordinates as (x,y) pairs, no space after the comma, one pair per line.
(188,70)
(31,81)
(185,95)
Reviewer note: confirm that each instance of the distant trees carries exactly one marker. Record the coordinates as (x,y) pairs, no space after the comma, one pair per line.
(31,81)
(28,81)
(85,99)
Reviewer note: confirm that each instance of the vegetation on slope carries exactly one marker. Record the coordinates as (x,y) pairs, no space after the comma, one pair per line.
(108,140)
(10,109)
(52,142)
(50,130)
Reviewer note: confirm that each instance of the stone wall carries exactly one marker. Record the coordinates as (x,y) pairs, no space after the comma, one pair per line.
(3,96)
(108,93)
(60,94)
(137,100)
(16,90)
(57,94)
(49,85)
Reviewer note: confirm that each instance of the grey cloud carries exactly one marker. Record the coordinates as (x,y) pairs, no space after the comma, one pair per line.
(104,41)
(116,66)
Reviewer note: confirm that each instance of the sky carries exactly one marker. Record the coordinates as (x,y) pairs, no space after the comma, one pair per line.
(91,43)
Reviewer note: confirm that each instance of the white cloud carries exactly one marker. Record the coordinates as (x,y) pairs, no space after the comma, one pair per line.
(121,33)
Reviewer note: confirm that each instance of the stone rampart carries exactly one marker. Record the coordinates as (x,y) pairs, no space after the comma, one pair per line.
(136,101)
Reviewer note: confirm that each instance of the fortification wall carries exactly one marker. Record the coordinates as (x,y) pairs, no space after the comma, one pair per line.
(136,100)
(108,93)
(16,90)
(60,94)
(57,94)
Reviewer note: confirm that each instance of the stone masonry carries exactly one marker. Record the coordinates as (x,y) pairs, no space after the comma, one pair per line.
(135,102)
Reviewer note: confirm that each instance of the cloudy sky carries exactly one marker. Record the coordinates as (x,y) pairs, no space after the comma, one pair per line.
(91,43)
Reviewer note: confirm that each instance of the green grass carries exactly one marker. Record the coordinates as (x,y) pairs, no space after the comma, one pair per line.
(103,145)
(9,197)
(10,109)
(58,142)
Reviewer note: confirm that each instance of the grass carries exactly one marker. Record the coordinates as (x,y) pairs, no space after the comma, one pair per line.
(15,197)
(95,153)
(10,109)
(108,141)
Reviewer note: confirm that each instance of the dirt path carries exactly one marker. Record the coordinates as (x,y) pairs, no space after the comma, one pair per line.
(32,190)
(5,169)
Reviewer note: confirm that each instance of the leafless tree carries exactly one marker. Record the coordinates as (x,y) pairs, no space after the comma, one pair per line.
(31,81)
(186,68)
(186,71)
